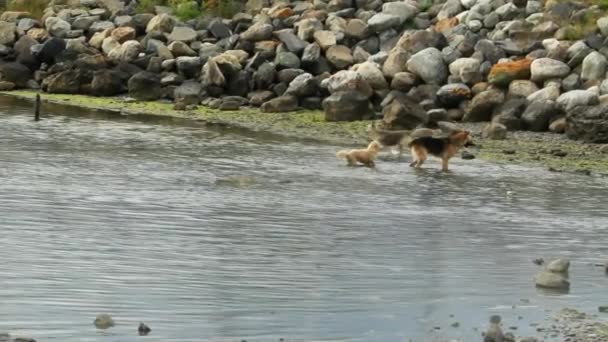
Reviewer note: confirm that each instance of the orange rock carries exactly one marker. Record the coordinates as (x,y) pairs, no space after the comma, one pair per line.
(122,34)
(38,34)
(502,74)
(446,24)
(268,46)
(281,13)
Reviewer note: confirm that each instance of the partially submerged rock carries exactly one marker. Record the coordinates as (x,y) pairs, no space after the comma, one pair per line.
(550,280)
(143,329)
(103,321)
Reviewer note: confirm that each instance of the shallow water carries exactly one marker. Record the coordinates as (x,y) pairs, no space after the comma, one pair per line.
(213,235)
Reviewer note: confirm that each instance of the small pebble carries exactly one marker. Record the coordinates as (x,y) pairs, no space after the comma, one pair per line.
(455,325)
(509,151)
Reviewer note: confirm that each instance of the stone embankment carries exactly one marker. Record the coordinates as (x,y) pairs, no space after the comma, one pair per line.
(520,65)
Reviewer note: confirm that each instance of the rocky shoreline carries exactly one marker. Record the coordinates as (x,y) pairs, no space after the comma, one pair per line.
(506,68)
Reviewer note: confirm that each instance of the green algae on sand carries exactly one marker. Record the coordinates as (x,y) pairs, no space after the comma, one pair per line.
(306,124)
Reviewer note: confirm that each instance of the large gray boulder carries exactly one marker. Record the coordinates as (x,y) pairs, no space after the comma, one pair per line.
(15,73)
(127,52)
(574,98)
(302,85)
(482,105)
(56,27)
(188,93)
(372,74)
(543,69)
(404,113)
(106,83)
(539,114)
(144,86)
(594,67)
(347,106)
(429,66)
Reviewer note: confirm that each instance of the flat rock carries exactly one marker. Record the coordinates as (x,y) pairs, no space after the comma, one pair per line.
(574,98)
(291,41)
(182,34)
(280,104)
(339,56)
(543,69)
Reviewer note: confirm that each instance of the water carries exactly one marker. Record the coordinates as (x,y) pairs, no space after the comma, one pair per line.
(215,235)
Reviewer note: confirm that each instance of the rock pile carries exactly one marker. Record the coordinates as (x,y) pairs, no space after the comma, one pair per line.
(519,64)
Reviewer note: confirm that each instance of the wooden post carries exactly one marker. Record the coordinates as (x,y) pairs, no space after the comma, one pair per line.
(37,108)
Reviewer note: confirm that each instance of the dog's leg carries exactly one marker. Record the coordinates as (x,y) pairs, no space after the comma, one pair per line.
(420,162)
(352,161)
(400,152)
(444,164)
(414,157)
(421,158)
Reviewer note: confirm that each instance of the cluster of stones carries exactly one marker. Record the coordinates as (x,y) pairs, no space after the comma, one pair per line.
(415,62)
(554,275)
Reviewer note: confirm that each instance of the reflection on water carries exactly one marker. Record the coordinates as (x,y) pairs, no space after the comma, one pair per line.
(218,236)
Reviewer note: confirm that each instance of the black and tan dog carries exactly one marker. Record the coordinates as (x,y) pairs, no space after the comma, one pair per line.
(444,148)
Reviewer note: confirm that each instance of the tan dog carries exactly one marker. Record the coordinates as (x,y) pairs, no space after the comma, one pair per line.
(444,148)
(364,156)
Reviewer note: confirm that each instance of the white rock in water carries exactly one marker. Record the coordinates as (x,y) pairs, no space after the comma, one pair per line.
(558,266)
(550,280)
(103,321)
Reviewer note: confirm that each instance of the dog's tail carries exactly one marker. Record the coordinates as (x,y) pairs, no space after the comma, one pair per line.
(342,154)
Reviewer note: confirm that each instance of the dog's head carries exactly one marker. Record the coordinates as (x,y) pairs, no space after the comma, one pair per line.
(374,146)
(462,138)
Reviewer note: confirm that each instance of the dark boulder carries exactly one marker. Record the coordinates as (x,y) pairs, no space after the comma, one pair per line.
(188,93)
(538,115)
(145,86)
(23,50)
(106,83)
(347,105)
(69,81)
(404,113)
(280,104)
(51,49)
(16,73)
